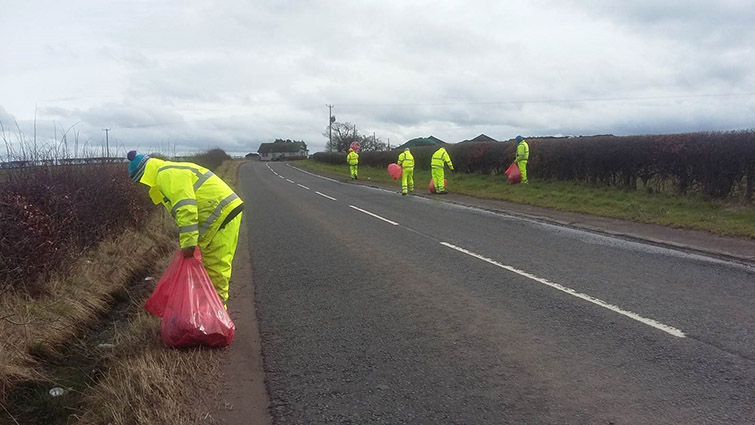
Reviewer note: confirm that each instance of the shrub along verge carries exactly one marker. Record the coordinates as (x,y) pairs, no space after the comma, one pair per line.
(715,165)
(691,212)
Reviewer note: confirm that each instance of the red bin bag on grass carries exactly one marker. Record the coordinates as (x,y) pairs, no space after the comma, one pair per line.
(192,311)
(515,176)
(156,302)
(395,170)
(431,186)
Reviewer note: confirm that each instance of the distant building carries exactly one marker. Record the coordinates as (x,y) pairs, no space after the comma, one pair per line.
(481,138)
(282,150)
(422,141)
(252,155)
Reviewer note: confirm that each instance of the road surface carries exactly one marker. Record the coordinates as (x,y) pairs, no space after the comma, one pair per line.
(377,308)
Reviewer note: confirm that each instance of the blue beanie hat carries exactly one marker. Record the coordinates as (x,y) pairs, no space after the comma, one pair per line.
(136,165)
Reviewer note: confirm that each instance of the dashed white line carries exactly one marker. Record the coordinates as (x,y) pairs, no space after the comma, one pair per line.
(325,196)
(313,174)
(301,185)
(290,181)
(634,316)
(374,215)
(281,176)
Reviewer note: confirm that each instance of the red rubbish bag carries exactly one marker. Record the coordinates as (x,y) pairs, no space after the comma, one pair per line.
(193,313)
(515,176)
(156,302)
(431,186)
(395,170)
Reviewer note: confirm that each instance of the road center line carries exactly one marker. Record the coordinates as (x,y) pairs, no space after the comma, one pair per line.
(326,196)
(281,176)
(634,316)
(290,181)
(313,174)
(301,185)
(374,215)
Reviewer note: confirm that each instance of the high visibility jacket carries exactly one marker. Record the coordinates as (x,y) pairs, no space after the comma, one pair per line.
(197,199)
(522,151)
(406,159)
(440,158)
(352,158)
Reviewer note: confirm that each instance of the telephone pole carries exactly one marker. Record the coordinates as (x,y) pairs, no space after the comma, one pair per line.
(331,118)
(107,141)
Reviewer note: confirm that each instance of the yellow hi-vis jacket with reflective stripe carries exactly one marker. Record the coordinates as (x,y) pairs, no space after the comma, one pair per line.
(197,199)
(440,158)
(522,151)
(352,158)
(406,159)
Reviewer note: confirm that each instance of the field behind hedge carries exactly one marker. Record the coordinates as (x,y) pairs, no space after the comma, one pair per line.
(718,165)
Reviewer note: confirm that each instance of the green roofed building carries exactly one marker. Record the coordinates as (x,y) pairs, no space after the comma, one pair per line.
(422,141)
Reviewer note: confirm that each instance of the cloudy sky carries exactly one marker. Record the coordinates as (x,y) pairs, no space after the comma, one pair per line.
(195,74)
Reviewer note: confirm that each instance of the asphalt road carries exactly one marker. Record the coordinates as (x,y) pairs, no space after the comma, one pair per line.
(377,308)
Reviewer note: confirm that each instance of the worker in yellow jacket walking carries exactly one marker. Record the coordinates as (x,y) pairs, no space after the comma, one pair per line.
(439,160)
(206,210)
(353,160)
(406,161)
(522,156)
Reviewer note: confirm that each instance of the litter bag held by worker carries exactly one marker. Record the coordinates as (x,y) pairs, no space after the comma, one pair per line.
(431,186)
(395,170)
(156,302)
(194,314)
(515,176)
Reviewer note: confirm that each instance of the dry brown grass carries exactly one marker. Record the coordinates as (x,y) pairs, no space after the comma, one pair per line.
(149,384)
(42,324)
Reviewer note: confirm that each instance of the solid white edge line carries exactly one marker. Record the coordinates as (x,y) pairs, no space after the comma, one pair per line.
(326,196)
(374,215)
(290,181)
(301,185)
(634,316)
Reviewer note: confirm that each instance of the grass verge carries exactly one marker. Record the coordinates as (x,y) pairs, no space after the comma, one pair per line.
(91,336)
(687,212)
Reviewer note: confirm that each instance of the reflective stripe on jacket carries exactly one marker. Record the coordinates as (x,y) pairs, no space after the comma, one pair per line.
(522,151)
(406,159)
(198,200)
(440,158)
(352,158)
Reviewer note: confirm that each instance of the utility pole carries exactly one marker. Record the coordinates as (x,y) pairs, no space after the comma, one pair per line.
(107,141)
(331,118)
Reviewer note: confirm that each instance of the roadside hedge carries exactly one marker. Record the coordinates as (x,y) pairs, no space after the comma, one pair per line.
(713,164)
(49,215)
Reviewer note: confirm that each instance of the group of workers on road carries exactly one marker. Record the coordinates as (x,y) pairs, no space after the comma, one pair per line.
(208,213)
(437,166)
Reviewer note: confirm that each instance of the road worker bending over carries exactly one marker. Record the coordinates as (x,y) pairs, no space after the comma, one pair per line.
(206,210)
(406,161)
(439,160)
(353,160)
(522,155)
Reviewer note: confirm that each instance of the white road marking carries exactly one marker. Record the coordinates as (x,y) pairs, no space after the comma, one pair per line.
(301,185)
(290,181)
(313,174)
(326,196)
(374,215)
(281,176)
(634,316)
